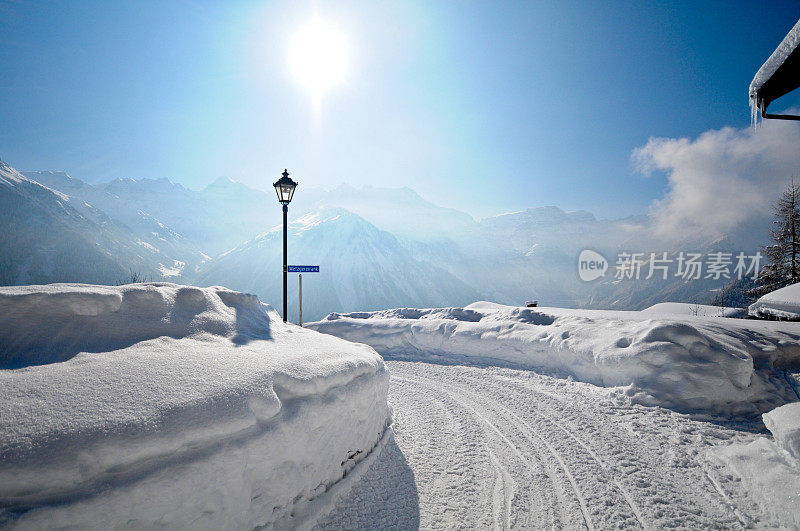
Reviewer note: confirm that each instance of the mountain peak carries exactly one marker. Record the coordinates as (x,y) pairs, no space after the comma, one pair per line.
(224,181)
(9,176)
(161,181)
(161,185)
(123,180)
(53,179)
(225,184)
(544,215)
(326,215)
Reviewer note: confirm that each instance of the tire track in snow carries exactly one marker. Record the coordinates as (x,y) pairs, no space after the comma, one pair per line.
(555,405)
(471,406)
(501,494)
(529,434)
(606,468)
(501,508)
(535,491)
(633,465)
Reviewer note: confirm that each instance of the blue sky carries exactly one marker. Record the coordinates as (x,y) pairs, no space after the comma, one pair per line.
(484,106)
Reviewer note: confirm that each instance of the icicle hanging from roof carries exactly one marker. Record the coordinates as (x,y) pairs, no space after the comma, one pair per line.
(779,75)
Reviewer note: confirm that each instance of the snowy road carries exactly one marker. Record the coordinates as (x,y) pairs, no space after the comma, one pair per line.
(491,447)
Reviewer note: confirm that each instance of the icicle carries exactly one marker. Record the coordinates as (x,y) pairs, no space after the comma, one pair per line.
(754,109)
(768,69)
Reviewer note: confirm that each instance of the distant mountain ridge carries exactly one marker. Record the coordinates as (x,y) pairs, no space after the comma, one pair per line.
(212,220)
(361,267)
(105,199)
(377,247)
(48,236)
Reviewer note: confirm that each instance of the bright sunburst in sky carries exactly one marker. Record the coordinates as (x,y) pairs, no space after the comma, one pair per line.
(318,57)
(483,106)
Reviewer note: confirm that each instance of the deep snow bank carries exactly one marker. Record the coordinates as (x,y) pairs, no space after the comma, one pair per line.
(719,366)
(782,303)
(159,404)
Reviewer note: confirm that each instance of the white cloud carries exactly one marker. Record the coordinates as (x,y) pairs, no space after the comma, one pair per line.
(723,179)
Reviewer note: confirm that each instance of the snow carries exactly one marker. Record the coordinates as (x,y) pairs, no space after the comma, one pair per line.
(379,271)
(9,176)
(721,367)
(174,406)
(770,469)
(174,271)
(778,57)
(480,446)
(147,246)
(784,423)
(430,256)
(699,310)
(783,303)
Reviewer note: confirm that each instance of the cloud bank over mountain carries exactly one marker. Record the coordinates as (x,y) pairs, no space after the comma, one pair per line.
(724,181)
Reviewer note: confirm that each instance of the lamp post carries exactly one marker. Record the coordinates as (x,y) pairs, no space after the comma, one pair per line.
(284,187)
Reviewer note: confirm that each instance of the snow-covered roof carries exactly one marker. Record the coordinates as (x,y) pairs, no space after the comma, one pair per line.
(782,303)
(779,75)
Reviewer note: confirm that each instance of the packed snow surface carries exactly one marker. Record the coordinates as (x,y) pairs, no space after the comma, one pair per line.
(722,367)
(480,446)
(783,303)
(162,405)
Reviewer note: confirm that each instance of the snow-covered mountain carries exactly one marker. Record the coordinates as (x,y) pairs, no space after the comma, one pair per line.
(552,240)
(378,247)
(400,211)
(539,218)
(361,267)
(93,201)
(48,236)
(215,219)
(210,221)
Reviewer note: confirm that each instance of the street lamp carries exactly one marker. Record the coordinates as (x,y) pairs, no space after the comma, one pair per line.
(284,187)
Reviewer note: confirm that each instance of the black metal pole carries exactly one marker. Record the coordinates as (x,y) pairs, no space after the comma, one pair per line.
(285,259)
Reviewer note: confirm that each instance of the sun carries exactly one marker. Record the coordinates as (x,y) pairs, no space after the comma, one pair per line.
(318,57)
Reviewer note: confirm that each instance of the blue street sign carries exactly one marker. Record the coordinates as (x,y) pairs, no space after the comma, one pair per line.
(303,269)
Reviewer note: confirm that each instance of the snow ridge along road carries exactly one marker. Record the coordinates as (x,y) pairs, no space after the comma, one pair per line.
(710,365)
(495,447)
(160,405)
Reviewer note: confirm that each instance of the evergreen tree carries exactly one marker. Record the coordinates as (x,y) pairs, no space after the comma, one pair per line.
(782,265)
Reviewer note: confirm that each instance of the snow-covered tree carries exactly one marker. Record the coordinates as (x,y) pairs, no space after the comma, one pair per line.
(783,255)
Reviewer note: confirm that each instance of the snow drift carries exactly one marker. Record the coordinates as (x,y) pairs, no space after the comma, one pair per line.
(771,468)
(728,367)
(784,423)
(782,303)
(174,406)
